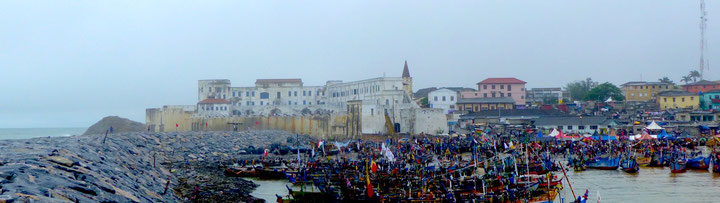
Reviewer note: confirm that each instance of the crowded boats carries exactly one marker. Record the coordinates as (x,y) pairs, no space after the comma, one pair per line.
(484,166)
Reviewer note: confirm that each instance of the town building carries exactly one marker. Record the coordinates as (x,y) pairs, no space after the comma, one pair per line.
(213,107)
(445,99)
(371,106)
(576,124)
(644,91)
(483,104)
(506,117)
(696,116)
(675,99)
(499,87)
(701,86)
(546,95)
(710,100)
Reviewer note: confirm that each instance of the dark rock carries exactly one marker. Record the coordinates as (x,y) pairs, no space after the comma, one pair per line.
(84,190)
(119,125)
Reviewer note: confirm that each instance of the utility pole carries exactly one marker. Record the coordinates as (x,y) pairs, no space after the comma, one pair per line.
(704,63)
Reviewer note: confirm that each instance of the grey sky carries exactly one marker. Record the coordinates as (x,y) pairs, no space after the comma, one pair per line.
(69,63)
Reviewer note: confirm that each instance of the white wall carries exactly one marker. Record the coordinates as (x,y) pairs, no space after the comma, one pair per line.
(435,99)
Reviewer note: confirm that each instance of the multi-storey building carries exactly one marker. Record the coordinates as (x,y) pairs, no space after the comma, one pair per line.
(644,91)
(445,99)
(545,95)
(678,100)
(701,86)
(499,87)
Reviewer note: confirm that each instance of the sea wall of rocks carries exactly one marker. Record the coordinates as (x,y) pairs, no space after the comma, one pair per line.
(129,167)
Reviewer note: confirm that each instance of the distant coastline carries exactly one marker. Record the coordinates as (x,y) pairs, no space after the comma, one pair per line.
(27,133)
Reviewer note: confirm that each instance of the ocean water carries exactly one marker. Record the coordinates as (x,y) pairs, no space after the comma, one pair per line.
(25,133)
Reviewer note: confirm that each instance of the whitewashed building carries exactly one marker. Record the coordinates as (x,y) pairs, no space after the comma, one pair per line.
(445,99)
(214,108)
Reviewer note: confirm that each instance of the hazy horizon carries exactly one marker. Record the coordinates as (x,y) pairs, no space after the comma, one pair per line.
(71,63)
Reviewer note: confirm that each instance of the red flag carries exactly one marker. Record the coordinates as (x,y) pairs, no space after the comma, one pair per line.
(369,190)
(266,153)
(176,125)
(374,167)
(206,125)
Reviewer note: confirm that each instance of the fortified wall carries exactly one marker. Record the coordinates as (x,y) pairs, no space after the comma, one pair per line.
(326,126)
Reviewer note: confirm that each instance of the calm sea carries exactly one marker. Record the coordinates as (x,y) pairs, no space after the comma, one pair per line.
(25,133)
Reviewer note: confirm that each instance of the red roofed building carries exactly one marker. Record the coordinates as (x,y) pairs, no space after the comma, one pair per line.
(701,86)
(214,107)
(500,87)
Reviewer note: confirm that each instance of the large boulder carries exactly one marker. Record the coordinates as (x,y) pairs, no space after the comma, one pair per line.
(118,124)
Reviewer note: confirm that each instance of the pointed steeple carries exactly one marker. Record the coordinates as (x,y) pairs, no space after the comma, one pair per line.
(406,72)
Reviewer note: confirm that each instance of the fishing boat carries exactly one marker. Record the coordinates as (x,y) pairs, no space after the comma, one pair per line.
(579,164)
(700,163)
(237,171)
(270,173)
(643,161)
(608,163)
(678,166)
(630,165)
(314,196)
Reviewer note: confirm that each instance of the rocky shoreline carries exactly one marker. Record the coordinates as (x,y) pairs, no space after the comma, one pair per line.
(131,167)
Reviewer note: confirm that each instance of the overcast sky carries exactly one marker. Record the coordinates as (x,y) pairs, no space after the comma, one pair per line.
(70,63)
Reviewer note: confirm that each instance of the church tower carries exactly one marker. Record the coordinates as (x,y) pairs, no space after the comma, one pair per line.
(407,80)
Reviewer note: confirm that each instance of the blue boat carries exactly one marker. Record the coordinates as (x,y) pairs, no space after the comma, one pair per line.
(630,165)
(608,163)
(702,163)
(678,166)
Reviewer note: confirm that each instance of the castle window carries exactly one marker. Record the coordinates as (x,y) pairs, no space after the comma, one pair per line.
(502,87)
(509,87)
(443,98)
(264,95)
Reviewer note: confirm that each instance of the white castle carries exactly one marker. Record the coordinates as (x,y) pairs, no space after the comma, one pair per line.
(273,97)
(373,106)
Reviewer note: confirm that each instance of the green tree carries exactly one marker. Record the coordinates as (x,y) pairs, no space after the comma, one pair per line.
(686,79)
(695,75)
(424,102)
(579,89)
(605,91)
(665,80)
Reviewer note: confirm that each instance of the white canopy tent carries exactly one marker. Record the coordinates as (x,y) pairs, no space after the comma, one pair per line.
(653,126)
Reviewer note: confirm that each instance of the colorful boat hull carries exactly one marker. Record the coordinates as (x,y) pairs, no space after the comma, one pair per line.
(678,166)
(604,163)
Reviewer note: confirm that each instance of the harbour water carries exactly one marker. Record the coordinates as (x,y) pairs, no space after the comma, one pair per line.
(651,184)
(26,133)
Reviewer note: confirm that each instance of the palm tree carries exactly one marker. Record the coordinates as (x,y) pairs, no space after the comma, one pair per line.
(695,75)
(686,79)
(665,80)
